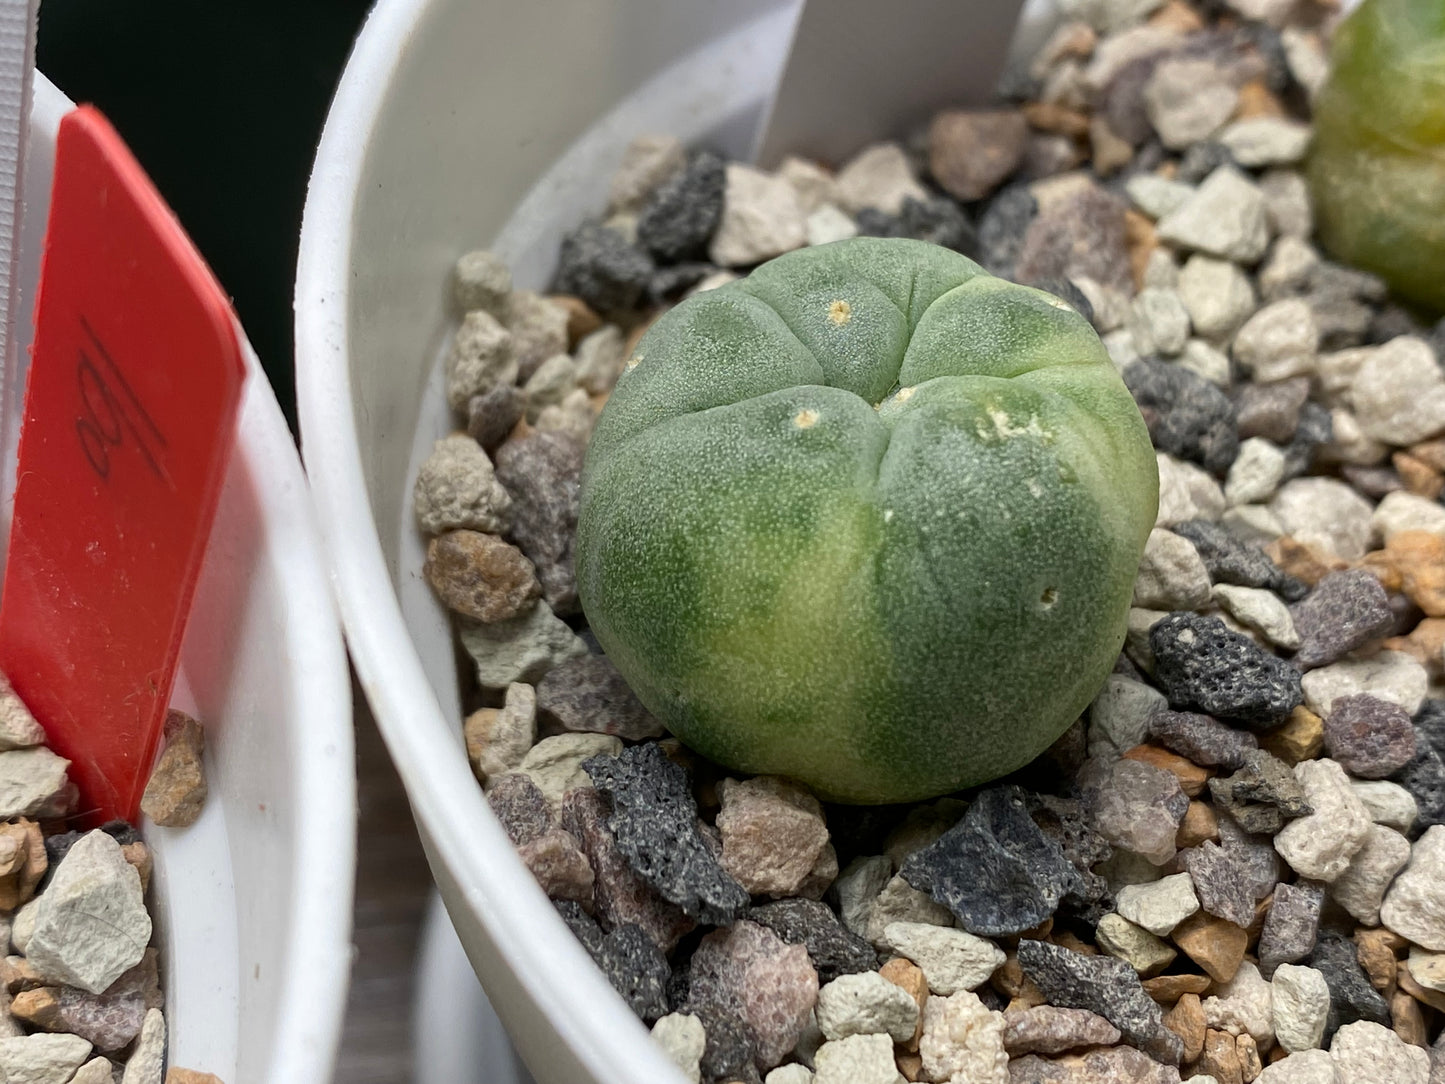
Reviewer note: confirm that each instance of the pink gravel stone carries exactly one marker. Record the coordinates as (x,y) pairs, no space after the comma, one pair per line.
(773,833)
(748,973)
(620,896)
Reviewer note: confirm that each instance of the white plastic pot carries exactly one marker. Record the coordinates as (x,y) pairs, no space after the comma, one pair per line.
(461,124)
(252,904)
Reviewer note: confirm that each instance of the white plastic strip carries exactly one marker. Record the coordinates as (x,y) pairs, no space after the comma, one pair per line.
(17,63)
(861,70)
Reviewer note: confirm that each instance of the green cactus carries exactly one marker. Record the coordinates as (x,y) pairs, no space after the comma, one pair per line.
(1377,169)
(868,518)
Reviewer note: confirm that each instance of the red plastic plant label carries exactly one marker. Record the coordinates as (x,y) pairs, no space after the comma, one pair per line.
(130,416)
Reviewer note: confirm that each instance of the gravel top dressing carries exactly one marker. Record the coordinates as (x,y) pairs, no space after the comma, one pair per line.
(79,982)
(1218,856)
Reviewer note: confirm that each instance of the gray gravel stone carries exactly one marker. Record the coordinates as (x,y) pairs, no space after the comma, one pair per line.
(1202,738)
(495,413)
(1369,737)
(1157,196)
(637,970)
(1291,926)
(1188,99)
(1319,846)
(1158,321)
(1217,295)
(456,487)
(1219,883)
(834,949)
(91,924)
(1232,561)
(1002,227)
(1266,141)
(1225,217)
(1271,411)
(1102,985)
(588,694)
(1279,341)
(481,280)
(1361,888)
(521,649)
(1081,233)
(1138,807)
(1171,575)
(1261,796)
(1287,203)
(995,870)
(542,472)
(481,357)
(1326,513)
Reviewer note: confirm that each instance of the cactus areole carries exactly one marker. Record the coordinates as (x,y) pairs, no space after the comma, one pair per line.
(868,518)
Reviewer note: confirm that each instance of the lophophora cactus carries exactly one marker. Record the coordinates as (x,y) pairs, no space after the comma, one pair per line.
(868,518)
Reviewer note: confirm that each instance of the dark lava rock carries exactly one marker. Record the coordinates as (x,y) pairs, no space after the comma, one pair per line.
(1203,666)
(494,414)
(58,845)
(1202,159)
(729,1054)
(1261,795)
(1291,927)
(588,694)
(1424,778)
(1430,724)
(668,282)
(681,215)
(1343,300)
(619,895)
(834,949)
(1066,822)
(1390,322)
(1229,560)
(637,970)
(937,219)
(543,471)
(1351,995)
(1370,737)
(603,268)
(995,869)
(1220,883)
(1346,610)
(1105,986)
(521,807)
(1002,226)
(654,820)
(1316,427)
(1188,416)
(583,926)
(1203,739)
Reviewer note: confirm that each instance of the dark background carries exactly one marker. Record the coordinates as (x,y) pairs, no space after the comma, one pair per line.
(223,105)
